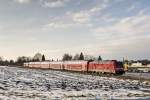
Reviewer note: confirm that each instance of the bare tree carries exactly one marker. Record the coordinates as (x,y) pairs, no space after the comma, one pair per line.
(22,59)
(67,57)
(76,57)
(90,57)
(37,57)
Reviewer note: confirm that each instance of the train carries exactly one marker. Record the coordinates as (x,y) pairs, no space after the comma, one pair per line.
(108,66)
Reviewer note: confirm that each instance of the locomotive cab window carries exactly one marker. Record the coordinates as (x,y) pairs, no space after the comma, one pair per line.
(119,64)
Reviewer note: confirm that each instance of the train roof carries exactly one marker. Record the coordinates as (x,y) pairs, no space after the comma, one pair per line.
(105,61)
(75,61)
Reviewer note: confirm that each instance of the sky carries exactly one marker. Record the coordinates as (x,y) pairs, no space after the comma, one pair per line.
(111,28)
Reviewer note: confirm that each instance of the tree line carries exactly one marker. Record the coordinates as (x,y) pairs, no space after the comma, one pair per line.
(41,57)
(22,59)
(81,56)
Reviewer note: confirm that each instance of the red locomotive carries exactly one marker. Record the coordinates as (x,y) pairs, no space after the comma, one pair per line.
(106,67)
(110,66)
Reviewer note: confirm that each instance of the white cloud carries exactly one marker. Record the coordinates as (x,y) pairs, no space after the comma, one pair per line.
(81,17)
(71,18)
(55,3)
(59,25)
(98,8)
(85,16)
(66,22)
(126,37)
(22,1)
(130,26)
(62,25)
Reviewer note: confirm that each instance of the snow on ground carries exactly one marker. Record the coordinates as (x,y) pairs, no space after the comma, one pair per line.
(139,75)
(33,84)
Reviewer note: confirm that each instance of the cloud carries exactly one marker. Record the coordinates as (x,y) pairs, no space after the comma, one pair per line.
(55,3)
(23,1)
(129,26)
(127,37)
(67,22)
(99,8)
(72,19)
(85,16)
(81,17)
(60,25)
(110,35)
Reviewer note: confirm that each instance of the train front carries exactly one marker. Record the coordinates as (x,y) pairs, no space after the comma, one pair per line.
(119,68)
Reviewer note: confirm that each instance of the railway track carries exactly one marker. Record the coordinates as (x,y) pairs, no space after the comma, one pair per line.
(79,75)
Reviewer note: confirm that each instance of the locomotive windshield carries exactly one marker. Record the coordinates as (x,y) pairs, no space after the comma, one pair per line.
(119,64)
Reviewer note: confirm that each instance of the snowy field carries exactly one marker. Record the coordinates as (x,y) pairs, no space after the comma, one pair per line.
(139,75)
(32,84)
